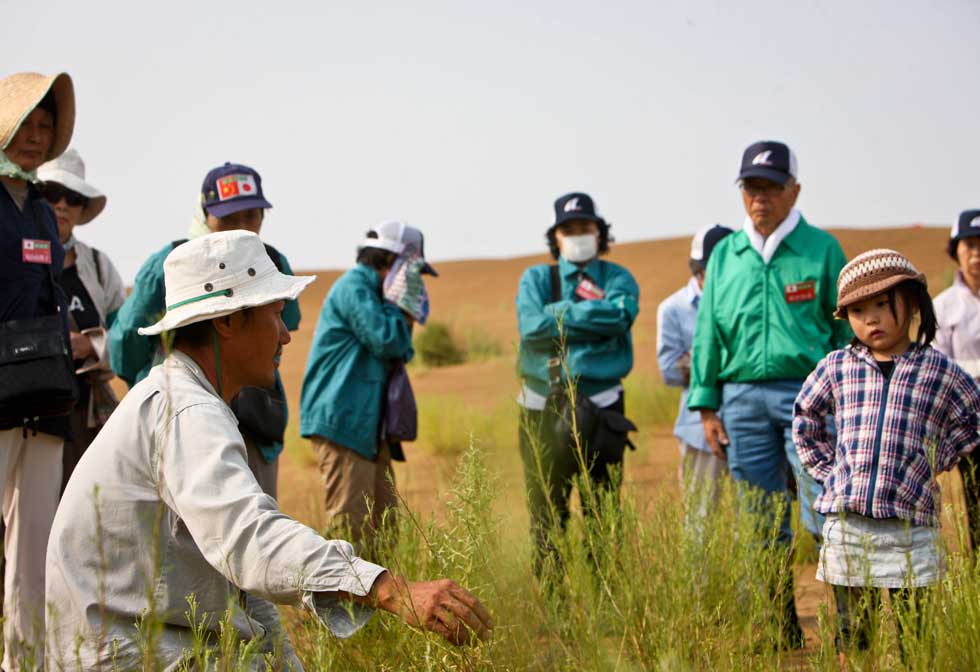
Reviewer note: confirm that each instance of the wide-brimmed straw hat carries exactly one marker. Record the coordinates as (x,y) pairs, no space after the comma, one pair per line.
(68,170)
(21,93)
(219,274)
(870,273)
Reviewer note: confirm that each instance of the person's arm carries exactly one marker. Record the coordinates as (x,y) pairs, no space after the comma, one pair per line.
(536,326)
(671,347)
(597,319)
(378,326)
(240,531)
(130,353)
(841,329)
(705,393)
(113,288)
(963,427)
(813,406)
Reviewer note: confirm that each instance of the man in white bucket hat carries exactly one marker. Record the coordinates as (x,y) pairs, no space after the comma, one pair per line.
(166,492)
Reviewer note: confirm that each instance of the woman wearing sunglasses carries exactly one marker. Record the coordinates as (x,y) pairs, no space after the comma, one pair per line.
(94,291)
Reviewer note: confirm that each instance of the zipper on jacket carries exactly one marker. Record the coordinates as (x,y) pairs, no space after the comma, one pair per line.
(878,430)
(765,322)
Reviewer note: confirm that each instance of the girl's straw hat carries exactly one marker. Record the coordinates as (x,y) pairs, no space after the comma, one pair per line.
(871,273)
(21,93)
(219,274)
(68,170)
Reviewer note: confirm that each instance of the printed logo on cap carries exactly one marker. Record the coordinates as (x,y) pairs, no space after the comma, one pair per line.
(975,222)
(233,186)
(762,158)
(572,205)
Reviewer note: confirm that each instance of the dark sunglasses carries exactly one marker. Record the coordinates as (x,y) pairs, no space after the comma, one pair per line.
(54,192)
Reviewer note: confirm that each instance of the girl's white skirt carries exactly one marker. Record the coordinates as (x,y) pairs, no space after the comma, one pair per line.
(889,553)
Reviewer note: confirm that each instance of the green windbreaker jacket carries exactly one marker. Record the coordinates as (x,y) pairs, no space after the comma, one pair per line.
(760,322)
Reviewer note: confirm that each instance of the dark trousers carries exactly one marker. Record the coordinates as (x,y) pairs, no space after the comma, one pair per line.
(970,473)
(551,463)
(856,608)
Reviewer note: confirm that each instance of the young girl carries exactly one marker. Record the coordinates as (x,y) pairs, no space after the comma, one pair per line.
(904,412)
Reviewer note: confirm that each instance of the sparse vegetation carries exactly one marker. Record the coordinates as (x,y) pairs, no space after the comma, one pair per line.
(436,346)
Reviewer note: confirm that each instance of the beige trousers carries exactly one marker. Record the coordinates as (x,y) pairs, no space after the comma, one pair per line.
(30,471)
(359,493)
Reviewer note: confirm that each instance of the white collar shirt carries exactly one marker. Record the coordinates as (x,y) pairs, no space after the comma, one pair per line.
(163,501)
(766,247)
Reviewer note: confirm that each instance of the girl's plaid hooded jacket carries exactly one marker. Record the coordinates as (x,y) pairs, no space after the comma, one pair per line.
(893,434)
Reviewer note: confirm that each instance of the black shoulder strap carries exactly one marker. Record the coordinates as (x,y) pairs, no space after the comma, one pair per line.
(555,284)
(275,256)
(98,264)
(177,243)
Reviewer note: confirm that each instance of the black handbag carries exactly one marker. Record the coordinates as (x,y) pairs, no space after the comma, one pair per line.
(37,374)
(261,412)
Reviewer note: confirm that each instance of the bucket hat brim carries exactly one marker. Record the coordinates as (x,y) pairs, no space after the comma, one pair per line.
(96,199)
(262,290)
(22,92)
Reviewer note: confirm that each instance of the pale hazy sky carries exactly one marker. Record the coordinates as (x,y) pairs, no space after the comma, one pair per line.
(468,119)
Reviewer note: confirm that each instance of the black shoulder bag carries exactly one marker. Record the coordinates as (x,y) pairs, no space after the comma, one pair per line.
(603,431)
(37,375)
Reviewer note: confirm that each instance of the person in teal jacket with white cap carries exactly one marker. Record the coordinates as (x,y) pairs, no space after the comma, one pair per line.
(358,339)
(588,306)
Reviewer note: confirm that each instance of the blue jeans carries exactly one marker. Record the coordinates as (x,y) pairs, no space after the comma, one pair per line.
(758,419)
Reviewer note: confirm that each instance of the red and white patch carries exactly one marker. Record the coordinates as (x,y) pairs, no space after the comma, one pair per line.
(588,290)
(233,186)
(36,251)
(801,291)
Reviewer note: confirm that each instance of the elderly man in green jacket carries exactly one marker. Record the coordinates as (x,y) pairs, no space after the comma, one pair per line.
(587,307)
(766,318)
(358,339)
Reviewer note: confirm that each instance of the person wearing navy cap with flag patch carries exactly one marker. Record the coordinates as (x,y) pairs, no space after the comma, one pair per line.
(232,198)
(574,318)
(701,470)
(766,318)
(958,337)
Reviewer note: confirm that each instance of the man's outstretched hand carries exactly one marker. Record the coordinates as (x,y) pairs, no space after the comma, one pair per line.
(442,606)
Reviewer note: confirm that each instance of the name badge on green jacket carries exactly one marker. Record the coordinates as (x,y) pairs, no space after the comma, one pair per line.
(800,291)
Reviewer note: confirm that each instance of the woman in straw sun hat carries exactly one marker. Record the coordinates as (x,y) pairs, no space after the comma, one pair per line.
(37,115)
(94,291)
(171,472)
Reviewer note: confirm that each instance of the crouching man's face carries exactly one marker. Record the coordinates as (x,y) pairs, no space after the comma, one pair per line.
(254,342)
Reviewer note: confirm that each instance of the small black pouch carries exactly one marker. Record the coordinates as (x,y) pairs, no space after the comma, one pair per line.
(261,412)
(36,376)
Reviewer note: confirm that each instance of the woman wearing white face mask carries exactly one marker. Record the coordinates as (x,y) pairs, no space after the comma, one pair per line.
(587,305)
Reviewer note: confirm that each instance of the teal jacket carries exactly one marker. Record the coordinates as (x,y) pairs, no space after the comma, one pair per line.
(761,322)
(597,332)
(132,356)
(356,338)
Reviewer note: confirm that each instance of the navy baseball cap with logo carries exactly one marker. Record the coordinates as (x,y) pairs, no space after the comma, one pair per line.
(769,160)
(232,188)
(576,205)
(966,226)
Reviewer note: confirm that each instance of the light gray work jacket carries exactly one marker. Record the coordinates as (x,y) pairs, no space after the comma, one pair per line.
(163,504)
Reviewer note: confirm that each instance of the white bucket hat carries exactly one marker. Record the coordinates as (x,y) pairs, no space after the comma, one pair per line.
(68,170)
(219,274)
(389,237)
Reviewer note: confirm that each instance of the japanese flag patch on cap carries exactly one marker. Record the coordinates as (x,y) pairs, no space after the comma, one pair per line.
(232,188)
